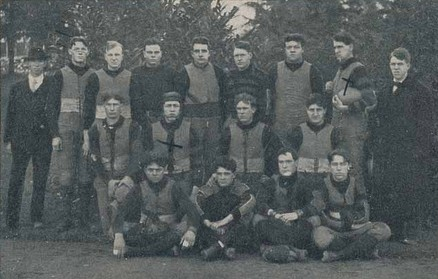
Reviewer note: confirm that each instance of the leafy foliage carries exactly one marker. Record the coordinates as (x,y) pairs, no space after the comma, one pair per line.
(173,22)
(379,26)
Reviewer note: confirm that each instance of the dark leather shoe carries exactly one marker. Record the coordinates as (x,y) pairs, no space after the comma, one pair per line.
(230,253)
(211,253)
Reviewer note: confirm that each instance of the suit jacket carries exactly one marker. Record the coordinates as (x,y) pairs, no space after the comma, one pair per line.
(406,120)
(30,114)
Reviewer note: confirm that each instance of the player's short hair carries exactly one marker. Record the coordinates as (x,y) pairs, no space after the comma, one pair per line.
(157,156)
(284,150)
(296,37)
(226,163)
(76,39)
(152,41)
(344,37)
(317,99)
(243,45)
(339,152)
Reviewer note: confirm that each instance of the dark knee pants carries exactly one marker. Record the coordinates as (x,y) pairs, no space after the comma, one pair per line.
(237,235)
(207,131)
(39,152)
(148,244)
(70,171)
(276,232)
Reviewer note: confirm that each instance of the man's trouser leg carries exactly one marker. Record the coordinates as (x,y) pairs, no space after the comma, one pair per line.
(103,203)
(63,174)
(85,190)
(355,147)
(41,165)
(20,160)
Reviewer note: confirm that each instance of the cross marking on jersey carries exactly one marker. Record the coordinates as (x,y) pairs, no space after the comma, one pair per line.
(346,85)
(170,144)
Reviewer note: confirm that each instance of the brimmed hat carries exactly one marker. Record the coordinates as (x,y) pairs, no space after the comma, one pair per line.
(37,54)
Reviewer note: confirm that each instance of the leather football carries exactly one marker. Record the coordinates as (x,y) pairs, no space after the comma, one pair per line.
(351,95)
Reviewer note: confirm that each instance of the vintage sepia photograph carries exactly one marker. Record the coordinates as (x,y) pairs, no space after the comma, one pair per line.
(219,139)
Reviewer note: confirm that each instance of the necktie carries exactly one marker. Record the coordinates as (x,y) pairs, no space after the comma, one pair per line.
(395,86)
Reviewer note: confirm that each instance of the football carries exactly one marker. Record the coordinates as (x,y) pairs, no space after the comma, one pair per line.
(351,95)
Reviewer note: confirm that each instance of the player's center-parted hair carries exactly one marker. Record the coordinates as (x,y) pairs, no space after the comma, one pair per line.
(112,44)
(245,98)
(317,99)
(115,96)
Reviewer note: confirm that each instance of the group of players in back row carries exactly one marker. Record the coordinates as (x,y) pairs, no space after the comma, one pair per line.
(277,159)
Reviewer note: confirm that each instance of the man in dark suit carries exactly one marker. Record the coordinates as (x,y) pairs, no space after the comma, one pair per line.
(31,129)
(404,144)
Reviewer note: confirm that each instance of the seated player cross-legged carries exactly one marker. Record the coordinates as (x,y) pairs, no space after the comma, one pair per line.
(168,218)
(226,210)
(286,212)
(346,232)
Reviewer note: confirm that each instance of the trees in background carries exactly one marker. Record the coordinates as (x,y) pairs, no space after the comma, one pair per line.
(173,22)
(378,25)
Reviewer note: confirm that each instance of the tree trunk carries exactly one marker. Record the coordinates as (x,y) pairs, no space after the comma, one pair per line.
(11,49)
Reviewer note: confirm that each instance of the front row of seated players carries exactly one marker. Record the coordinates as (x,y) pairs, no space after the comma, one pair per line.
(333,214)
(293,214)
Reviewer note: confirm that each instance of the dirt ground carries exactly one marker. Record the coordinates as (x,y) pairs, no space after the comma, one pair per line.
(45,253)
(49,259)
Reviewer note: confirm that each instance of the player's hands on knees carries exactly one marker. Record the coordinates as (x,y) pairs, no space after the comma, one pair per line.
(188,239)
(119,248)
(287,217)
